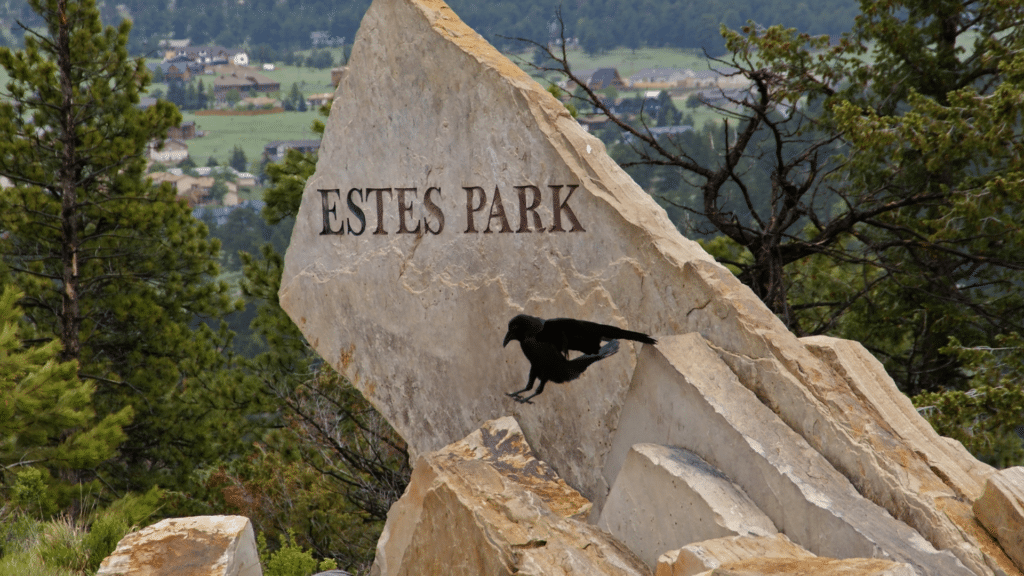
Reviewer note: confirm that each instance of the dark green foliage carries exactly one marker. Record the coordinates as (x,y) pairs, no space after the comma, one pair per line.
(238,161)
(116,269)
(49,432)
(289,559)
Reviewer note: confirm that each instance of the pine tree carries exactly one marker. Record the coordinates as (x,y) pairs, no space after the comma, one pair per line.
(238,161)
(47,421)
(115,268)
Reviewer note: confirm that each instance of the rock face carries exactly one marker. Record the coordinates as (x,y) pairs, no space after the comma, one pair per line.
(485,505)
(665,498)
(683,380)
(452,192)
(197,546)
(1001,511)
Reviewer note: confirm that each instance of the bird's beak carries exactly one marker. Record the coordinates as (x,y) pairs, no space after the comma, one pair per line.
(508,338)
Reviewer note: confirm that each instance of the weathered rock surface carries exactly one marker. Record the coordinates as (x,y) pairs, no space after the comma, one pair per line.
(1001,511)
(196,546)
(485,505)
(707,555)
(813,567)
(683,394)
(665,498)
(453,192)
(876,390)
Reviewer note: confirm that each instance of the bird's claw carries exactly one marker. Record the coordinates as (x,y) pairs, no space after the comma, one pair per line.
(515,396)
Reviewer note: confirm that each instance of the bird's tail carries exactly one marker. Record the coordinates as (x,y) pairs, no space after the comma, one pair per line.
(622,334)
(608,349)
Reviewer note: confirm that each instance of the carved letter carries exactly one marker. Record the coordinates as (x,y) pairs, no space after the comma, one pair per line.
(524,225)
(434,211)
(559,206)
(404,209)
(470,225)
(497,211)
(356,211)
(380,207)
(330,211)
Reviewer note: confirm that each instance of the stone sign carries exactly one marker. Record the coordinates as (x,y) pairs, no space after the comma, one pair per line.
(453,192)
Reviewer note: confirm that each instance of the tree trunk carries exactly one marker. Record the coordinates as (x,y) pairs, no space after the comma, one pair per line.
(70,317)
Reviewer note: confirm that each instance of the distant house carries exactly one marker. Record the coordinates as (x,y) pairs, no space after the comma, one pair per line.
(244,81)
(599,79)
(171,47)
(169,151)
(317,100)
(276,150)
(337,74)
(192,189)
(183,131)
(180,68)
(209,55)
(660,78)
(245,179)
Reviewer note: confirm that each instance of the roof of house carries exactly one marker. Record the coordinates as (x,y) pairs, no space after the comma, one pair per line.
(660,75)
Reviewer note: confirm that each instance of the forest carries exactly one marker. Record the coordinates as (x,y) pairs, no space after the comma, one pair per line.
(599,25)
(866,186)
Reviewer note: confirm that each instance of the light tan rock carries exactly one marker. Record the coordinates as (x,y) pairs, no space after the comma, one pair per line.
(813,567)
(1001,511)
(665,498)
(707,555)
(197,546)
(875,388)
(684,395)
(484,505)
(453,192)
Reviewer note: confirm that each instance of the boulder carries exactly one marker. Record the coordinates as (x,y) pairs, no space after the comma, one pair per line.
(1001,511)
(197,546)
(665,498)
(453,192)
(707,555)
(485,505)
(683,394)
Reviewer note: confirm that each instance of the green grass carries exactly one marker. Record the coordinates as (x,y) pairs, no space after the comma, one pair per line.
(252,133)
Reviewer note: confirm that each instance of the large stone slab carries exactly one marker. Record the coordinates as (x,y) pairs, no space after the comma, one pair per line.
(879,395)
(683,394)
(813,567)
(485,505)
(453,192)
(452,141)
(197,546)
(1001,511)
(707,555)
(665,498)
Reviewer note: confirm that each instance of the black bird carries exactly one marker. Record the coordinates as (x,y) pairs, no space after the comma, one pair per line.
(546,344)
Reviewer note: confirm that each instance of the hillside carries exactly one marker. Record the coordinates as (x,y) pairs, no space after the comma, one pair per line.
(598,24)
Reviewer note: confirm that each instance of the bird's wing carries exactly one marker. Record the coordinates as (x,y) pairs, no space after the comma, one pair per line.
(585,336)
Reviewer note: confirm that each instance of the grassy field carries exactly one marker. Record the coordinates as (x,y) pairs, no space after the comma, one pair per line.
(252,133)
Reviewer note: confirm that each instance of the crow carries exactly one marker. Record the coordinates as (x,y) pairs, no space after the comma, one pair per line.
(546,344)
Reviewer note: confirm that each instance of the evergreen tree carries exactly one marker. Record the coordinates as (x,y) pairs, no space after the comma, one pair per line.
(47,421)
(238,161)
(113,267)
(202,100)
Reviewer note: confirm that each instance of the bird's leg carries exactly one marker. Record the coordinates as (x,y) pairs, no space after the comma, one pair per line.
(529,386)
(526,400)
